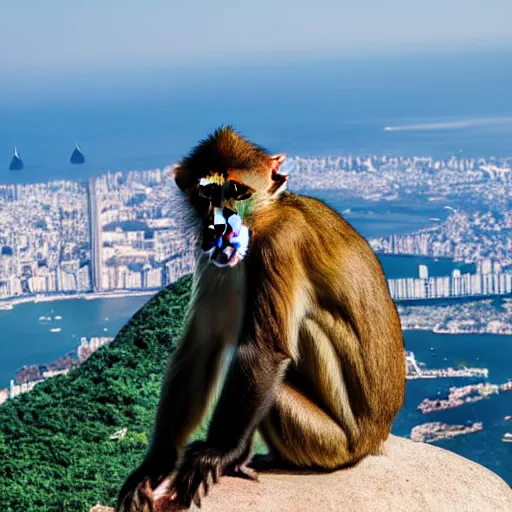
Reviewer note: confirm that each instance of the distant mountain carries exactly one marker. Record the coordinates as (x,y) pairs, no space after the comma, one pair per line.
(77,157)
(16,162)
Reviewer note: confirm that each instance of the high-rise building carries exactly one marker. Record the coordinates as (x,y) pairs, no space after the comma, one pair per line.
(423,271)
(95,230)
(486,267)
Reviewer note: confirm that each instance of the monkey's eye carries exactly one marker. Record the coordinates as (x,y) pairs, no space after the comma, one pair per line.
(205,191)
(238,191)
(212,192)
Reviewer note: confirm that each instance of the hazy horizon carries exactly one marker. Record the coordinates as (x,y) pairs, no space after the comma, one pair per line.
(96,34)
(486,63)
(68,49)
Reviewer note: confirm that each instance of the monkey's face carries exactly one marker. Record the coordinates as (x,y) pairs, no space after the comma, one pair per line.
(225,239)
(226,179)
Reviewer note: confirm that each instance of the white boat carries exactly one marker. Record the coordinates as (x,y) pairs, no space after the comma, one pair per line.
(507,438)
(56,329)
(45,318)
(58,318)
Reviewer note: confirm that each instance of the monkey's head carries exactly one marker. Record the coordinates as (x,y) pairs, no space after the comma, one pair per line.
(224,177)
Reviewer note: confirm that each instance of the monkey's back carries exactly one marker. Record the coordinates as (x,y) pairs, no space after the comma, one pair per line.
(353,310)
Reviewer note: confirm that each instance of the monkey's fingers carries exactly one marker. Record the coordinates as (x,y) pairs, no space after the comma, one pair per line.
(138,502)
(197,499)
(211,478)
(136,495)
(215,474)
(186,485)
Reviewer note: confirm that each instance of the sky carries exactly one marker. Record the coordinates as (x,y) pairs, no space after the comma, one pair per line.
(61,36)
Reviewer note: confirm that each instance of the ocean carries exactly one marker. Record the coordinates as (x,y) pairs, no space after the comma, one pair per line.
(474,350)
(310,108)
(28,340)
(436,106)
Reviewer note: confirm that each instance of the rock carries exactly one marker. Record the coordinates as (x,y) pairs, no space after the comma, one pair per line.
(408,477)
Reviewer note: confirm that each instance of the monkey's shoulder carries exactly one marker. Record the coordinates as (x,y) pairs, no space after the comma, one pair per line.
(314,214)
(311,207)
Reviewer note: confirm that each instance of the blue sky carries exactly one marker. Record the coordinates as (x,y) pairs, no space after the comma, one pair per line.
(62,36)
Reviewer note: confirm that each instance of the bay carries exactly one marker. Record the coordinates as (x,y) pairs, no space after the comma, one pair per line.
(26,340)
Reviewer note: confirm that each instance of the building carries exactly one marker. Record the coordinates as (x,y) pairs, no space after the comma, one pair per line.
(95,231)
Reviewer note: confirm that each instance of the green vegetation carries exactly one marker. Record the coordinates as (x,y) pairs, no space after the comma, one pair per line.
(55,448)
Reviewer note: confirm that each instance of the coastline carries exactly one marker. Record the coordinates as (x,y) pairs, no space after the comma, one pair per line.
(457,332)
(8,304)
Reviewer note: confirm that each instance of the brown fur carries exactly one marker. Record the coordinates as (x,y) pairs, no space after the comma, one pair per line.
(319,364)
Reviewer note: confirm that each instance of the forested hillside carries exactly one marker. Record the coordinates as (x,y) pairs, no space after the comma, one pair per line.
(55,448)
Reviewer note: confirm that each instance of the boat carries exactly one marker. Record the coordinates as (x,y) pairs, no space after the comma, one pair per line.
(508,418)
(56,329)
(16,162)
(507,438)
(58,317)
(77,157)
(45,318)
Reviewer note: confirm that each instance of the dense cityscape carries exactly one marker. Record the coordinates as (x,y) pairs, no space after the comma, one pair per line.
(119,233)
(115,233)
(483,181)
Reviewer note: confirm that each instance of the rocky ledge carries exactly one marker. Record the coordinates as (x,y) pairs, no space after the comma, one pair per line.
(407,477)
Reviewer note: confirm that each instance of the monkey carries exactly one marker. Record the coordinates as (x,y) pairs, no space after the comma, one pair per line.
(318,366)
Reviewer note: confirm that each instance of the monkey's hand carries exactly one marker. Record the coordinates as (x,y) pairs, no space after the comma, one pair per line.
(201,466)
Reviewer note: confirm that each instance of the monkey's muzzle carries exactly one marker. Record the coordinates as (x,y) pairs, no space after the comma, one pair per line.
(225,238)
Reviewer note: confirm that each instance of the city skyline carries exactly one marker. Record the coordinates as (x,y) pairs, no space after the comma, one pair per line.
(118,232)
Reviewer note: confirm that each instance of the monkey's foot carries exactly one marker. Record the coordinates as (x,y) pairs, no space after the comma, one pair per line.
(242,471)
(135,497)
(137,493)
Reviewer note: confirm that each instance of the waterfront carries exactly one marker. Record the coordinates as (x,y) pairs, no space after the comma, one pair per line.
(27,340)
(35,344)
(483,351)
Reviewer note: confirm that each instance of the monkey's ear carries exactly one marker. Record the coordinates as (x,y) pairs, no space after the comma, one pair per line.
(277,160)
(180,177)
(278,180)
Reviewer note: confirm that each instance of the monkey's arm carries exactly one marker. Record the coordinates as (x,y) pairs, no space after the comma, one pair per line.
(191,376)
(190,379)
(261,359)
(247,396)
